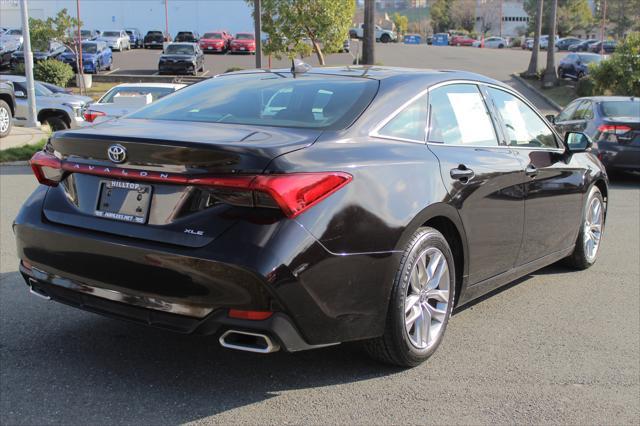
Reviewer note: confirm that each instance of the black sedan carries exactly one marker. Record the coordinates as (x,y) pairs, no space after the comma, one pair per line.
(612,122)
(53,51)
(181,58)
(302,208)
(583,46)
(606,47)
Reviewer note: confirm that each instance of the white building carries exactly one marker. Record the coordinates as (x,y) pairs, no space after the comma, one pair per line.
(195,15)
(506,18)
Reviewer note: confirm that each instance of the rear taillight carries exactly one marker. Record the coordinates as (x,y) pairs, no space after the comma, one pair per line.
(90,115)
(249,315)
(47,168)
(293,193)
(611,132)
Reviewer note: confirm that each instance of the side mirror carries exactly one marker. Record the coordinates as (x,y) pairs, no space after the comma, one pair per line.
(577,142)
(20,94)
(551,118)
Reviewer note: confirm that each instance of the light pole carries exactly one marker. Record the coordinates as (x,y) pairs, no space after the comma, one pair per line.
(79,52)
(28,66)
(166,17)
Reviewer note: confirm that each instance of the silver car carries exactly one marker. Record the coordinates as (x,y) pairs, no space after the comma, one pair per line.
(116,39)
(60,111)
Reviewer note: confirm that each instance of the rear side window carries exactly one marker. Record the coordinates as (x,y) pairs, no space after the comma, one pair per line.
(459,116)
(410,123)
(567,113)
(584,111)
(524,127)
(266,99)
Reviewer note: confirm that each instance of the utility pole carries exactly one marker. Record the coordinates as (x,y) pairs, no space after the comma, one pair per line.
(602,30)
(257,22)
(28,66)
(369,33)
(166,17)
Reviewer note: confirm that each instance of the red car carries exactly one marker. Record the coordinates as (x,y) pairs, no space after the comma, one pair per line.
(215,41)
(461,40)
(243,43)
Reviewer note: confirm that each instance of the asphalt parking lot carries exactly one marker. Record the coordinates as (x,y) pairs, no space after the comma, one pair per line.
(558,346)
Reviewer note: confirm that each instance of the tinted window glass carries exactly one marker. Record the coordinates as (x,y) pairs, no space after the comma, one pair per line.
(212,35)
(567,113)
(410,123)
(308,101)
(111,33)
(584,111)
(458,116)
(524,127)
(244,36)
(621,109)
(89,47)
(179,49)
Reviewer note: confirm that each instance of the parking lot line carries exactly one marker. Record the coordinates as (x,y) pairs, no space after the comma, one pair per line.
(111,72)
(204,73)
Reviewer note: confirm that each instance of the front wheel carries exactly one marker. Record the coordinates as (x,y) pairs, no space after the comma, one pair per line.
(589,238)
(421,302)
(6,121)
(56,123)
(385,38)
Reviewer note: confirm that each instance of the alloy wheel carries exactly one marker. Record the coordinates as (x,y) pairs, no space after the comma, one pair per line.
(4,120)
(593,228)
(427,299)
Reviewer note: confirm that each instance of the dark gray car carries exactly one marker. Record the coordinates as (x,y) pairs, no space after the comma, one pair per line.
(612,122)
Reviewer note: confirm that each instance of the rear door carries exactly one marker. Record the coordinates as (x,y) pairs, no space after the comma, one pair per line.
(482,176)
(553,182)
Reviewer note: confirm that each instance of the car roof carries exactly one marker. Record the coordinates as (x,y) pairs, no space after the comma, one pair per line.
(168,85)
(610,98)
(376,72)
(181,43)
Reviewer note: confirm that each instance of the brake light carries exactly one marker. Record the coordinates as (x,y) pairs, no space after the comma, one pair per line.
(249,315)
(90,115)
(610,128)
(292,193)
(47,168)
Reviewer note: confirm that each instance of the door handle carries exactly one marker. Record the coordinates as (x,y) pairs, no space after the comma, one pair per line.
(531,171)
(462,173)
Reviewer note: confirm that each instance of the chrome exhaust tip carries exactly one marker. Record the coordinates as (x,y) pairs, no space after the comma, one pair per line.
(248,341)
(37,291)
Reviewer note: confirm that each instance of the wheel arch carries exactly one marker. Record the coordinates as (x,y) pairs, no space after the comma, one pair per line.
(50,112)
(7,98)
(446,220)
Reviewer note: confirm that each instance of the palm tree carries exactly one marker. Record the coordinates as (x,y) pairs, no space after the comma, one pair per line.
(533,62)
(550,77)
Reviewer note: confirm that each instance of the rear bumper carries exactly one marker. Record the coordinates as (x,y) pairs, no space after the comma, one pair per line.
(618,156)
(175,68)
(278,267)
(278,326)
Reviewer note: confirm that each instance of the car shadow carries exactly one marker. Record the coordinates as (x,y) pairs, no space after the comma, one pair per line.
(57,360)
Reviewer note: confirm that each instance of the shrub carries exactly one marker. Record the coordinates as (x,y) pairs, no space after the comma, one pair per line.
(19,69)
(516,42)
(585,87)
(620,74)
(54,72)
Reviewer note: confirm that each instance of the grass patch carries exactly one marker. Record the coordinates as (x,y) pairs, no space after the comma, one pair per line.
(562,94)
(21,153)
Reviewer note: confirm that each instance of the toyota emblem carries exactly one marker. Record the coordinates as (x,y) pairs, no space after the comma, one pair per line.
(117,153)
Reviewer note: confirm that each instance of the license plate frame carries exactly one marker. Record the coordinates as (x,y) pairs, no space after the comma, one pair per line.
(124,201)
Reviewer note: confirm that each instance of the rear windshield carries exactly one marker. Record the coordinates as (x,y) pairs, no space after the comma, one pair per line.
(156,93)
(308,101)
(212,35)
(154,33)
(244,36)
(621,109)
(111,34)
(89,47)
(179,49)
(85,33)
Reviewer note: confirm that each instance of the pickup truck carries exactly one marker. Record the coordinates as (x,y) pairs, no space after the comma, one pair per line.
(7,107)
(382,35)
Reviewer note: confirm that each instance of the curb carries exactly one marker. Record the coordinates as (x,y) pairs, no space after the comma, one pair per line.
(535,89)
(14,163)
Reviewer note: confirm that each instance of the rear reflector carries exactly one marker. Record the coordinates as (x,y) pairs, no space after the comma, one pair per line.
(293,193)
(249,315)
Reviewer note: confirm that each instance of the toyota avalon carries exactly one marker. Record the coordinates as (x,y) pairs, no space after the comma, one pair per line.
(296,209)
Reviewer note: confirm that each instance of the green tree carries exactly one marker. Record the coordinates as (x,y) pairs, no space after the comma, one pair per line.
(441,16)
(623,14)
(58,28)
(300,27)
(401,22)
(620,74)
(571,15)
(463,14)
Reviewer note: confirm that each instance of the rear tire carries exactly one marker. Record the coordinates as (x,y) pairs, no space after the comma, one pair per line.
(56,123)
(589,238)
(385,38)
(6,120)
(421,302)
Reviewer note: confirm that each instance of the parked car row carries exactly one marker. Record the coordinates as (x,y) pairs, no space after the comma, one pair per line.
(59,108)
